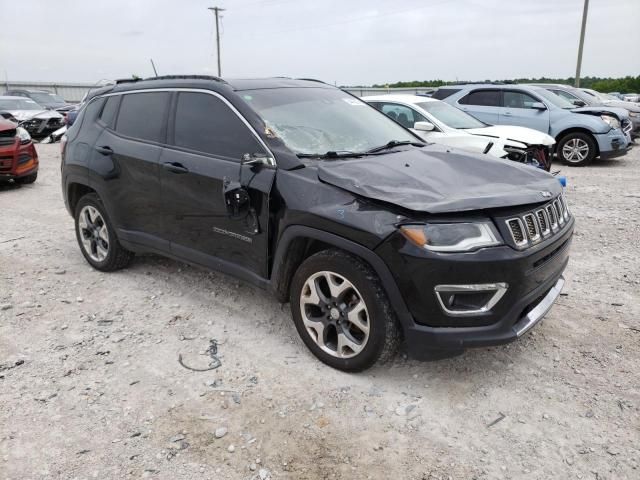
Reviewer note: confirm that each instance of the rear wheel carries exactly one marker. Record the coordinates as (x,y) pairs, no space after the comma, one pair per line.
(342,313)
(577,149)
(96,236)
(27,179)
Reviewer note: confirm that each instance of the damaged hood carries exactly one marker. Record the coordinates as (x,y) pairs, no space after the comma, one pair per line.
(524,135)
(23,115)
(621,113)
(437,179)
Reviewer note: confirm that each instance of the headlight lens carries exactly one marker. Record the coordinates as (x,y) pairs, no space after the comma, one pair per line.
(612,121)
(634,114)
(452,237)
(23,135)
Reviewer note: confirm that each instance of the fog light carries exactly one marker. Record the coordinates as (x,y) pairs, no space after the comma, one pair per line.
(469,299)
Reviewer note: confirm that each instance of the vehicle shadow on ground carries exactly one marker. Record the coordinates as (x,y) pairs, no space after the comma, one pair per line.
(8,186)
(198,281)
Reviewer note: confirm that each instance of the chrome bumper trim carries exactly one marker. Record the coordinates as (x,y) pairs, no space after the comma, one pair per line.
(540,310)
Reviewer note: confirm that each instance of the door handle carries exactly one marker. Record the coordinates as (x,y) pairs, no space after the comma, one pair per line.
(104,150)
(508,114)
(175,167)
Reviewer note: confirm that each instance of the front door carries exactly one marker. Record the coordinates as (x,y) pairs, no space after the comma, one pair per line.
(207,140)
(518,110)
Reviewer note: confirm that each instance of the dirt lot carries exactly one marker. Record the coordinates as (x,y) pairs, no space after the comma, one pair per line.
(91,387)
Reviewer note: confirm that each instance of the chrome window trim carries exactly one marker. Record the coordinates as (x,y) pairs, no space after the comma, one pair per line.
(499,288)
(271,158)
(525,236)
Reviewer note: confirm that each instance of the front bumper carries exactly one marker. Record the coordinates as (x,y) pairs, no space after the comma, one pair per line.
(612,144)
(534,277)
(17,161)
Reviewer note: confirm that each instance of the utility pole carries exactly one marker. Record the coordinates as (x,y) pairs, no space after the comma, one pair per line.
(216,11)
(584,25)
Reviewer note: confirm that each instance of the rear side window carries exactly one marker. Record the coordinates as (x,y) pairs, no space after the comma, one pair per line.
(514,99)
(108,115)
(442,93)
(485,98)
(142,115)
(204,123)
(405,116)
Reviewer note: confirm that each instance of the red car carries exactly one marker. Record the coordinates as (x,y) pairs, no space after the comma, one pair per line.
(18,156)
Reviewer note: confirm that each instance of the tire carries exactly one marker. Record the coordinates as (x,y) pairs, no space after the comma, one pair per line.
(577,149)
(27,179)
(96,236)
(357,325)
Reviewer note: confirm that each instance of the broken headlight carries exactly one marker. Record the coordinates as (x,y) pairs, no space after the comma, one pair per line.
(612,121)
(452,237)
(23,135)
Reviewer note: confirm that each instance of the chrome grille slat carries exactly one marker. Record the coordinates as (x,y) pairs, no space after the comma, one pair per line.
(529,228)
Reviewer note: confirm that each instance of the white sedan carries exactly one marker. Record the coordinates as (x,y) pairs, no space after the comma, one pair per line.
(439,122)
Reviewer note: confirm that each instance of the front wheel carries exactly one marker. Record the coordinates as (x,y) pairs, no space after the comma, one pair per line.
(97,237)
(342,312)
(577,149)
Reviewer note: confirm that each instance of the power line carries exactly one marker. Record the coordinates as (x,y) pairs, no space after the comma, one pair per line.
(216,11)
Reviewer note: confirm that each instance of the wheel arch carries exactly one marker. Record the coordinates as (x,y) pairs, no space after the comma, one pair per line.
(75,191)
(298,242)
(586,131)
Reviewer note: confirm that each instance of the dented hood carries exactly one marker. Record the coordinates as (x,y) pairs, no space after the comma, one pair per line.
(621,113)
(524,135)
(438,179)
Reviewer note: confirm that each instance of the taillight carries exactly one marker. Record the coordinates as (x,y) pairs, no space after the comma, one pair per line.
(63,146)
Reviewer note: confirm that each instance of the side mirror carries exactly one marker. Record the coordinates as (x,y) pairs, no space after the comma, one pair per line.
(538,106)
(579,103)
(423,126)
(236,198)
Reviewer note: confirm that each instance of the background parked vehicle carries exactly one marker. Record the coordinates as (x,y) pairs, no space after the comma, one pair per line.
(38,121)
(581,134)
(580,98)
(632,97)
(439,122)
(48,100)
(18,156)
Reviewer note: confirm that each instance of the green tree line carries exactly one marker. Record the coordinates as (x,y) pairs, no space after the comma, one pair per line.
(627,84)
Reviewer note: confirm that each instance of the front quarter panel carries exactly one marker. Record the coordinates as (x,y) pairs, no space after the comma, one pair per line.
(562,120)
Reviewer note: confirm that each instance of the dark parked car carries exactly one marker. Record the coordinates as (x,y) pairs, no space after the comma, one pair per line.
(18,156)
(48,100)
(305,190)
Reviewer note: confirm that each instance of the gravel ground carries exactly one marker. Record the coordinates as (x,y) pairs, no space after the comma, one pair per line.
(91,387)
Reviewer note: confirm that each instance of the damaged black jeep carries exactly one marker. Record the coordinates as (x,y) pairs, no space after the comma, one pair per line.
(304,190)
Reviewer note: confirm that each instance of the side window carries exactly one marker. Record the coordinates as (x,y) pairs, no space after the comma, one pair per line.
(405,116)
(142,115)
(108,115)
(443,93)
(513,99)
(567,96)
(204,123)
(484,98)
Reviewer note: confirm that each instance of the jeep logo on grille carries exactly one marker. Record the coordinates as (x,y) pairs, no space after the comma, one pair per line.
(545,194)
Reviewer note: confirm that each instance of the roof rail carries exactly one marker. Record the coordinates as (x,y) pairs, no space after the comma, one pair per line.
(312,80)
(170,77)
(127,80)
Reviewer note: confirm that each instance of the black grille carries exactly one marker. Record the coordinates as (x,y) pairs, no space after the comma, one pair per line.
(531,227)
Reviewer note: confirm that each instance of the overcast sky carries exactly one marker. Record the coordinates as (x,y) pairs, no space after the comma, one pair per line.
(344,41)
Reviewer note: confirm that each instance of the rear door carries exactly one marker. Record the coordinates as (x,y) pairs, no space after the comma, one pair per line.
(126,166)
(208,139)
(518,110)
(484,104)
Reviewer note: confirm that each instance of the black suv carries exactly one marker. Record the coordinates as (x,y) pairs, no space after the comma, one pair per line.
(303,189)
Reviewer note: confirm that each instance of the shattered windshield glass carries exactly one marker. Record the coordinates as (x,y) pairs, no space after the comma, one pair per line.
(313,121)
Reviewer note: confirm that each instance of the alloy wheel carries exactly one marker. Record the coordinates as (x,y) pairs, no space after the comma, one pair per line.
(335,314)
(575,150)
(93,233)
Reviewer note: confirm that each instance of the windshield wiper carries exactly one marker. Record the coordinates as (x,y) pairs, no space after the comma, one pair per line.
(393,144)
(330,154)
